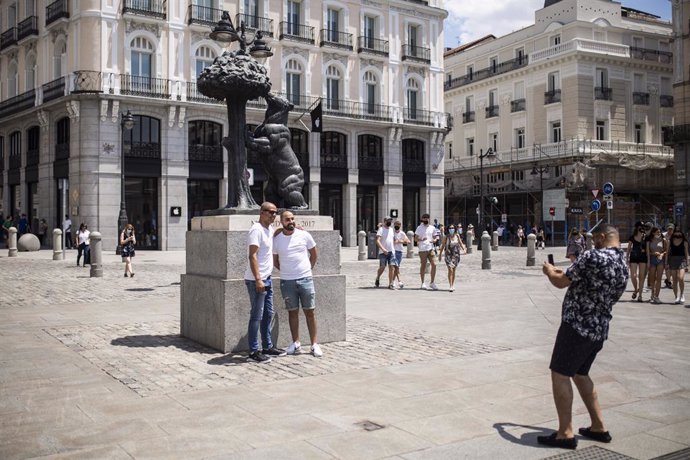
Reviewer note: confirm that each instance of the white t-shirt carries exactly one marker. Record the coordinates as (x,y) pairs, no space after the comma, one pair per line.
(399,239)
(293,254)
(67,225)
(84,237)
(386,235)
(425,231)
(263,238)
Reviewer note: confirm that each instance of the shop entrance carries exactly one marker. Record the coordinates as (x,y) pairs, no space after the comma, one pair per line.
(141,198)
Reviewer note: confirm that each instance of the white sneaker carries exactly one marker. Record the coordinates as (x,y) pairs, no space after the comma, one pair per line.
(433,287)
(316,350)
(400,286)
(424,287)
(293,348)
(682,299)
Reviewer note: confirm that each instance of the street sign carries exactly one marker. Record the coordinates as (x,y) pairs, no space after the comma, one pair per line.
(680,208)
(595,192)
(609,204)
(608,197)
(596,205)
(608,188)
(577,211)
(552,211)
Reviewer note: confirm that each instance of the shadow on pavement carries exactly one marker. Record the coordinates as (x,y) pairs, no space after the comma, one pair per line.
(139,289)
(227,360)
(154,341)
(525,439)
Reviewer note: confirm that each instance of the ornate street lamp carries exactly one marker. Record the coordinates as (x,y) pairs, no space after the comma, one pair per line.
(126,124)
(489,153)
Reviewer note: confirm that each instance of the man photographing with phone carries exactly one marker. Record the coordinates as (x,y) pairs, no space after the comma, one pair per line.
(595,282)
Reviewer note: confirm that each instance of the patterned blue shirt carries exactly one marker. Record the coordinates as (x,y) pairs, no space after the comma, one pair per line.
(598,279)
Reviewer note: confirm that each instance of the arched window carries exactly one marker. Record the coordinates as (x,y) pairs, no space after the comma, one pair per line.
(299,141)
(413,155)
(141,57)
(413,99)
(370,92)
(16,150)
(30,72)
(370,152)
(203,58)
(333,150)
(12,89)
(293,81)
(59,59)
(205,141)
(333,88)
(144,139)
(33,137)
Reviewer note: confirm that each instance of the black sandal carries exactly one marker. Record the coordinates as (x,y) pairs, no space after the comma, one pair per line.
(552,441)
(601,436)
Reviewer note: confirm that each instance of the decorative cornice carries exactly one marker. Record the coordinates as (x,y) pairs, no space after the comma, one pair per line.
(131,26)
(73,110)
(181,116)
(43,119)
(115,111)
(104,109)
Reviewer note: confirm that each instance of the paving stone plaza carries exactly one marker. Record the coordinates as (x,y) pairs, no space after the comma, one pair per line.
(95,368)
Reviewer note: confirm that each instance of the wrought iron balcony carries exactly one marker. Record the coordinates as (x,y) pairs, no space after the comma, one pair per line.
(194,95)
(62,151)
(18,103)
(27,27)
(132,85)
(491,111)
(198,14)
(468,117)
(518,105)
(333,160)
(265,25)
(335,39)
(418,117)
(646,54)
(640,98)
(666,101)
(488,72)
(150,8)
(603,94)
(296,32)
(56,10)
(553,96)
(416,53)
(359,110)
(371,163)
(679,134)
(200,152)
(32,157)
(413,165)
(8,38)
(148,150)
(372,45)
(299,101)
(54,89)
(15,161)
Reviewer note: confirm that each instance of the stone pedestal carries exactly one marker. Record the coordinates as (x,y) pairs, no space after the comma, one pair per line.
(214,301)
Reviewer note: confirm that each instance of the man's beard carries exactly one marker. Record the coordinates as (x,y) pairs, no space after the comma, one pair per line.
(290,227)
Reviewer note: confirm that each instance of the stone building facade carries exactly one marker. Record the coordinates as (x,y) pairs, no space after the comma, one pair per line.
(69,69)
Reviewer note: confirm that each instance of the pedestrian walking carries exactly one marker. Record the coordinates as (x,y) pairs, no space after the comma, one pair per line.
(128,240)
(520,236)
(677,262)
(42,230)
(23,225)
(637,260)
(575,246)
(400,240)
(657,247)
(67,230)
(7,223)
(385,245)
(540,238)
(453,247)
(424,236)
(294,254)
(595,282)
(667,234)
(83,247)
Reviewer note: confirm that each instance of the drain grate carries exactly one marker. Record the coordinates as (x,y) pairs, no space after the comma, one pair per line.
(368,425)
(591,453)
(682,454)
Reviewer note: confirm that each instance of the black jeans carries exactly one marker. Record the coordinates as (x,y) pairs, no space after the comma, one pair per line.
(86,250)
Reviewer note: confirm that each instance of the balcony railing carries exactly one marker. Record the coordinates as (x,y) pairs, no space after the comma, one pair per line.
(491,111)
(333,160)
(553,96)
(370,163)
(148,150)
(666,101)
(200,152)
(335,39)
(488,72)
(603,94)
(298,100)
(678,134)
(150,8)
(54,89)
(646,54)
(359,110)
(198,14)
(8,38)
(32,157)
(56,10)
(265,25)
(518,105)
(132,85)
(372,45)
(27,27)
(296,32)
(418,117)
(62,151)
(194,95)
(18,103)
(640,98)
(416,53)
(415,165)
(468,117)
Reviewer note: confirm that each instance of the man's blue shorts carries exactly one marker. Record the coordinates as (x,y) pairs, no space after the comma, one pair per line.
(387,259)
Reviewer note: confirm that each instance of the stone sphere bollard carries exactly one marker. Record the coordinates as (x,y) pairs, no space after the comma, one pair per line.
(12,242)
(57,244)
(494,241)
(96,255)
(362,245)
(468,243)
(28,242)
(589,243)
(410,245)
(531,248)
(486,251)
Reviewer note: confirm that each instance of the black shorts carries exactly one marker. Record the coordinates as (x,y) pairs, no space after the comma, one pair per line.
(572,353)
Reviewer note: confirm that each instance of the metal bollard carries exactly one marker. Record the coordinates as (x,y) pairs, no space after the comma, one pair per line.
(486,251)
(531,242)
(410,245)
(589,244)
(470,237)
(494,241)
(362,239)
(57,244)
(12,242)
(96,255)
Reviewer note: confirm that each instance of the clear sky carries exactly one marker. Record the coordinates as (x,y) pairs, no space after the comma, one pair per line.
(472,19)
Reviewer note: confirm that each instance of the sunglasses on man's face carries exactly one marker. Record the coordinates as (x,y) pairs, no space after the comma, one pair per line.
(273,213)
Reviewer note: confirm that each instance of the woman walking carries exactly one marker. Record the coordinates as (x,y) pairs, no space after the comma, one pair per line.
(127,241)
(83,247)
(575,246)
(453,245)
(637,260)
(657,246)
(677,261)
(520,236)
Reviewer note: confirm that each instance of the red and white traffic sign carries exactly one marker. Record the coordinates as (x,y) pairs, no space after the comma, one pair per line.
(595,192)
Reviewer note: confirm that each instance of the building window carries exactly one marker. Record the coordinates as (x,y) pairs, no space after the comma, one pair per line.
(470,72)
(520,55)
(470,146)
(493,64)
(15,144)
(59,59)
(30,72)
(332,88)
(554,81)
(558,171)
(294,17)
(555,40)
(370,152)
(333,24)
(203,58)
(299,141)
(370,94)
(412,98)
(639,133)
(333,150)
(204,141)
(144,139)
(520,138)
(517,175)
(62,134)
(293,81)
(601,130)
(493,141)
(12,87)
(556,131)
(412,37)
(449,149)
(141,58)
(413,156)
(370,32)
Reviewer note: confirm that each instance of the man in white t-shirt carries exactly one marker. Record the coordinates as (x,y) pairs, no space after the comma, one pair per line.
(294,254)
(424,236)
(385,245)
(400,240)
(257,277)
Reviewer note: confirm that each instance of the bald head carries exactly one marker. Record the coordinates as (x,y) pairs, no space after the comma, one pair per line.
(606,236)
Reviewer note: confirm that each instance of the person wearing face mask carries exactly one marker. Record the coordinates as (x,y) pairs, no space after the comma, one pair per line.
(656,255)
(453,245)
(400,240)
(127,241)
(385,244)
(424,236)
(677,262)
(637,260)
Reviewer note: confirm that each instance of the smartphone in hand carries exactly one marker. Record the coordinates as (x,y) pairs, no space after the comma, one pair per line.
(550,257)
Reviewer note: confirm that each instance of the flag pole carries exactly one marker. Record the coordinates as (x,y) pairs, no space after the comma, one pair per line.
(309,108)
